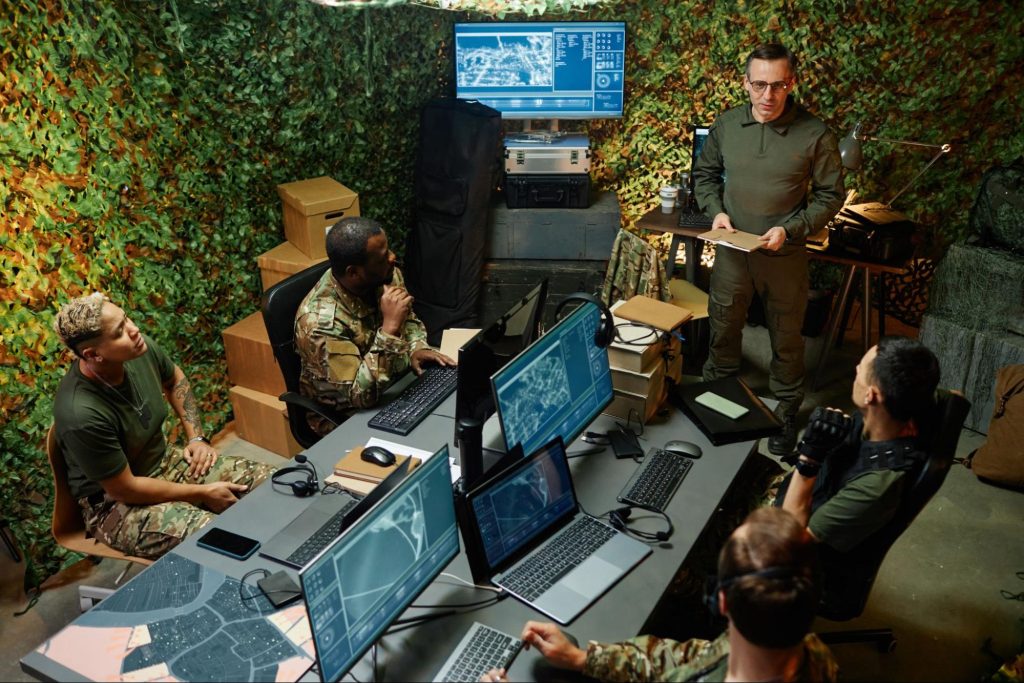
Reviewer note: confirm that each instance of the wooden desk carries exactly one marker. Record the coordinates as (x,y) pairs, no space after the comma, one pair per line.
(656,221)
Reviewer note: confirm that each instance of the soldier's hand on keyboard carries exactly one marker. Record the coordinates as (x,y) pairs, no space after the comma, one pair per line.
(495,675)
(422,356)
(722,221)
(552,643)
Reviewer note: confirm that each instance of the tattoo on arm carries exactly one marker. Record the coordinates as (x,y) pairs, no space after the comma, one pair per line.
(183,394)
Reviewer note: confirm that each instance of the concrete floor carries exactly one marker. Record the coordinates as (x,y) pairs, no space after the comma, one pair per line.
(938,588)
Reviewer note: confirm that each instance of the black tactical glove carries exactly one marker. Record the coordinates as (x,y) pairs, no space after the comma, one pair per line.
(825,431)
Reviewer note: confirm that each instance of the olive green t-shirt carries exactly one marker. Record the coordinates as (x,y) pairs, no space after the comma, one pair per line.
(99,429)
(860,508)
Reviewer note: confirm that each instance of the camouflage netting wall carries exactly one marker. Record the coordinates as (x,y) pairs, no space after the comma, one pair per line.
(141,141)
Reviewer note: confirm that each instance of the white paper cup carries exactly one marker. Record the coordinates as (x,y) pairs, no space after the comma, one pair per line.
(668,198)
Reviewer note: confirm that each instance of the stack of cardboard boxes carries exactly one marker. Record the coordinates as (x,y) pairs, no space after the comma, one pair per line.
(310,207)
(647,350)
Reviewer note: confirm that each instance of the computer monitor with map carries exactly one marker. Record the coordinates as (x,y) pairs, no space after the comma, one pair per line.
(557,386)
(543,70)
(492,347)
(370,574)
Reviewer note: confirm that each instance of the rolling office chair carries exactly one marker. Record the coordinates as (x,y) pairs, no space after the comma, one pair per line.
(850,576)
(68,527)
(280,304)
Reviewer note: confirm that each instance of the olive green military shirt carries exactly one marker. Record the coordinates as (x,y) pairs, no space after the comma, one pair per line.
(100,430)
(860,508)
(647,658)
(785,172)
(348,361)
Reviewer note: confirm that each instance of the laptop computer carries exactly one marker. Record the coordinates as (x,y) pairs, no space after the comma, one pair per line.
(313,530)
(526,527)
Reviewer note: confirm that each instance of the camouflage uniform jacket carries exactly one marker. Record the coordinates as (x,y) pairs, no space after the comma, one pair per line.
(647,658)
(347,359)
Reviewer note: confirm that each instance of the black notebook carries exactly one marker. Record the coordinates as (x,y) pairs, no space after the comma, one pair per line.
(720,430)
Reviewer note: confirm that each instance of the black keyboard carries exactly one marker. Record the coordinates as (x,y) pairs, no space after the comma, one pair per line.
(417,400)
(480,650)
(557,557)
(656,479)
(694,219)
(321,538)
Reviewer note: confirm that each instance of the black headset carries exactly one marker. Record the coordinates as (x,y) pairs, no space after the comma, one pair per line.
(617,518)
(778,572)
(606,331)
(302,487)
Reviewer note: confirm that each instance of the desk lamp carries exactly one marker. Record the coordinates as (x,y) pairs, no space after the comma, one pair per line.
(850,151)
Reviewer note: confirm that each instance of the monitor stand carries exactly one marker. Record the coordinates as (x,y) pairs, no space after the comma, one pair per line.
(549,133)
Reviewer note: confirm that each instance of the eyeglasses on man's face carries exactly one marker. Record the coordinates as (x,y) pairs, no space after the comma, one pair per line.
(777,86)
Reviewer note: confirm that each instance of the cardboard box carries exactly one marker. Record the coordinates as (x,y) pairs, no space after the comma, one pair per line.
(312,206)
(281,262)
(627,406)
(251,362)
(263,420)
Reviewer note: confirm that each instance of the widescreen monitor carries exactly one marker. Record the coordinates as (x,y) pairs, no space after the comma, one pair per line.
(557,386)
(543,70)
(364,580)
(488,351)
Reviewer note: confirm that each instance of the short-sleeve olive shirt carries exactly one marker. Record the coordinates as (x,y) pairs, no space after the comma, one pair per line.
(99,429)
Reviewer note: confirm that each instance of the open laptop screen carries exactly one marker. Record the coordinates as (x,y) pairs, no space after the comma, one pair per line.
(371,573)
(522,503)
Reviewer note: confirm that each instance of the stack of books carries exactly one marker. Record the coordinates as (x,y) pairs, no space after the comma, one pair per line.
(643,354)
(357,475)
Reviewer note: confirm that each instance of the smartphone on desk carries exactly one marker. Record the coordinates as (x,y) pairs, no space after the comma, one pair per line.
(228,543)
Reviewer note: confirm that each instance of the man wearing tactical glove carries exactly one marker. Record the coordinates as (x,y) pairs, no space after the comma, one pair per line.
(850,471)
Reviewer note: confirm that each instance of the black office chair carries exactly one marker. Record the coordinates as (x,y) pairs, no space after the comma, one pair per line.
(850,576)
(280,304)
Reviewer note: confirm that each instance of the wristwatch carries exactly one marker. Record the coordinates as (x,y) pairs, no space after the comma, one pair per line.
(199,438)
(808,468)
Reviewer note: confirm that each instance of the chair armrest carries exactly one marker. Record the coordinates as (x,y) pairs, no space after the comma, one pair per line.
(308,404)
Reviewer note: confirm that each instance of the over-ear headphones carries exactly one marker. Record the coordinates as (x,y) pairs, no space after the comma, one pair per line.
(302,488)
(617,518)
(606,331)
(714,587)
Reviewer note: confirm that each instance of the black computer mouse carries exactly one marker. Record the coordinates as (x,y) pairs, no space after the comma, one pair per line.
(683,448)
(378,455)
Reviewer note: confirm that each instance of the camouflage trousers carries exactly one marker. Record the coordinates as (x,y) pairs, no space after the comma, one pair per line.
(151,530)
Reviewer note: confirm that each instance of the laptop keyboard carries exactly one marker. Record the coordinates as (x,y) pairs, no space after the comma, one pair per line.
(656,479)
(481,649)
(321,538)
(694,219)
(417,400)
(557,557)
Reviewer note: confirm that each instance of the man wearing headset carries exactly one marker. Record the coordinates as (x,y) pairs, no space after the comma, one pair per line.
(137,494)
(767,589)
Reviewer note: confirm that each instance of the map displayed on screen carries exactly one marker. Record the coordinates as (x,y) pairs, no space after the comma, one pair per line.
(181,621)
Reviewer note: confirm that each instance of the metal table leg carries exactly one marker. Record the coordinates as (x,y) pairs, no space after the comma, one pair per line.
(866,312)
(834,323)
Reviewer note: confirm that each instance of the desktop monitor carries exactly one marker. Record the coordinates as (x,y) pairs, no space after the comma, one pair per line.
(543,70)
(491,348)
(557,386)
(364,580)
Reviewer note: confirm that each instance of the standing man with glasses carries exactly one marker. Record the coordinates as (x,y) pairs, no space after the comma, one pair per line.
(772,169)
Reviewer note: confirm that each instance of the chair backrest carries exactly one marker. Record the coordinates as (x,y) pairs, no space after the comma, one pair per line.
(850,576)
(280,303)
(67,524)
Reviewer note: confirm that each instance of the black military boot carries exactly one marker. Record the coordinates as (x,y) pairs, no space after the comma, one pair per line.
(784,442)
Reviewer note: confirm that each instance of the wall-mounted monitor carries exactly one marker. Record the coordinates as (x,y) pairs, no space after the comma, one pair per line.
(543,70)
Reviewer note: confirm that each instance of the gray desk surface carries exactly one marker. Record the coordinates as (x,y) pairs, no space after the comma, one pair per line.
(417,654)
